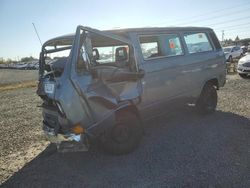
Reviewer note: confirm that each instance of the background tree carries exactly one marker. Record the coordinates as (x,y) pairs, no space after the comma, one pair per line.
(27,59)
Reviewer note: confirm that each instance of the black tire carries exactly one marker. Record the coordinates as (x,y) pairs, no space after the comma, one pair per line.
(207,101)
(243,75)
(230,59)
(125,135)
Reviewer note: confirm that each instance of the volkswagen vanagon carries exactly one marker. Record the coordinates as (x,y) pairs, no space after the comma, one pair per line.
(104,84)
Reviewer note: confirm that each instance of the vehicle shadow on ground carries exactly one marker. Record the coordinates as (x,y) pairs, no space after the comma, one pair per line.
(181,150)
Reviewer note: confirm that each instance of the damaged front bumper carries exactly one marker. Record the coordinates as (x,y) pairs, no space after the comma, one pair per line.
(66,142)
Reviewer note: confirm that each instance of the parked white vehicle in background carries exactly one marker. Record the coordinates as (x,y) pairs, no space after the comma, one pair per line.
(244,66)
(244,49)
(232,52)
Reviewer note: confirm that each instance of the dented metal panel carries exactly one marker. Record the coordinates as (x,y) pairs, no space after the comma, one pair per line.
(87,99)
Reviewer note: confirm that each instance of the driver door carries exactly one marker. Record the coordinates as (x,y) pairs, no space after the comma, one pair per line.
(106,83)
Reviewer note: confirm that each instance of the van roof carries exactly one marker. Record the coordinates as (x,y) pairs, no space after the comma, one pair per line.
(157,29)
(123,32)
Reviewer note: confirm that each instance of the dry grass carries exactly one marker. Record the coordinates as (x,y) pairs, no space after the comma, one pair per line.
(13,86)
(10,76)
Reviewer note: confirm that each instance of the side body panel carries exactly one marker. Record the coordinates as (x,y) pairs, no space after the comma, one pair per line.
(170,80)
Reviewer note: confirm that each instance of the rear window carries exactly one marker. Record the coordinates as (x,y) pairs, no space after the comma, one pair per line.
(197,42)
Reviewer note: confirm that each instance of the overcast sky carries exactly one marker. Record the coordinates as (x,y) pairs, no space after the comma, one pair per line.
(57,17)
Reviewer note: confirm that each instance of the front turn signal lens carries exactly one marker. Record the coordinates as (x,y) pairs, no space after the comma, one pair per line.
(78,129)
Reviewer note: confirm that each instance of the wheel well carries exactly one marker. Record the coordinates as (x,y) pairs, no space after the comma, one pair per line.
(214,82)
(131,109)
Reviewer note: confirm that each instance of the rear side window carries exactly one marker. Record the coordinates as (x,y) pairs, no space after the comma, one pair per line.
(197,42)
(163,45)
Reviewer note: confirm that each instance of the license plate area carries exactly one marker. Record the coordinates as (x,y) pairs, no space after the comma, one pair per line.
(49,88)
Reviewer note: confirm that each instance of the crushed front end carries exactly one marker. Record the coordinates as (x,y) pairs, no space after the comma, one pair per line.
(81,94)
(58,128)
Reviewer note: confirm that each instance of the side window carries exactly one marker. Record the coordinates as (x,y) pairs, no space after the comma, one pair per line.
(172,45)
(150,46)
(197,42)
(164,45)
(111,54)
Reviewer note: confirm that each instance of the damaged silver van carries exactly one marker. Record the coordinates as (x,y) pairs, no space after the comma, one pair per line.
(103,84)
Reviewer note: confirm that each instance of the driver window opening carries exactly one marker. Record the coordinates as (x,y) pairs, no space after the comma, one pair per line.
(99,50)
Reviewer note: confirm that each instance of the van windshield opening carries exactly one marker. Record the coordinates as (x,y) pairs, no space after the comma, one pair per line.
(54,59)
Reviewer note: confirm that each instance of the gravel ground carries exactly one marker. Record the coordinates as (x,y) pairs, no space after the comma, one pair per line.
(180,150)
(8,76)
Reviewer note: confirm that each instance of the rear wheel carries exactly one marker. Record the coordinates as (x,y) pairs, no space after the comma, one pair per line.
(125,136)
(207,101)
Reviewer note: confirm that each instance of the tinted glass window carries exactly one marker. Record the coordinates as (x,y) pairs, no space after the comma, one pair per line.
(197,42)
(160,46)
(173,45)
(150,46)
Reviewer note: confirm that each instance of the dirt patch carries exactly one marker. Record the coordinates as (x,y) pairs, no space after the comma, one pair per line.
(21,135)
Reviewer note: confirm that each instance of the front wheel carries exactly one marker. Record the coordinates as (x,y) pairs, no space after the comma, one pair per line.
(207,101)
(125,135)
